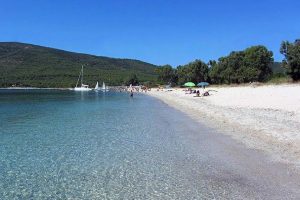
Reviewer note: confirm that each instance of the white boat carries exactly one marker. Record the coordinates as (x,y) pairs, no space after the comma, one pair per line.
(104,87)
(83,87)
(97,86)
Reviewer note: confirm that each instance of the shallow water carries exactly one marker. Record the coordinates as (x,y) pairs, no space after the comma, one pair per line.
(63,144)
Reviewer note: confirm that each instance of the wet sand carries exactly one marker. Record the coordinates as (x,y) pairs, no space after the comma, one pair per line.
(226,168)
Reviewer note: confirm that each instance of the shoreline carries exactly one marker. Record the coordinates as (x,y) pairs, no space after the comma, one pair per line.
(33,88)
(36,88)
(264,118)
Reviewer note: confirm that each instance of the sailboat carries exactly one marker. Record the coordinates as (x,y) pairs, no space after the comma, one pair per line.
(83,87)
(97,86)
(104,87)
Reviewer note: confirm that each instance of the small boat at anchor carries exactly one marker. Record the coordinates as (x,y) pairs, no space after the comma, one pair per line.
(104,88)
(83,87)
(97,86)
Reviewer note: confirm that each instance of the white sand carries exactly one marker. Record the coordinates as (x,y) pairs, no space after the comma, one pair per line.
(263,117)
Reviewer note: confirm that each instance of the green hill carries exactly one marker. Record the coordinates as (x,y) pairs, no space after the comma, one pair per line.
(31,65)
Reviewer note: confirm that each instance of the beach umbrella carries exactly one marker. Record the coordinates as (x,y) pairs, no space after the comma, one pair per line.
(189,84)
(203,84)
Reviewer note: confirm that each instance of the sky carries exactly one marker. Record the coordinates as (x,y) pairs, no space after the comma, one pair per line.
(156,31)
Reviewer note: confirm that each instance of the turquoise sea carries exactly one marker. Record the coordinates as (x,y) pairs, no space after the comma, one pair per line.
(71,145)
(64,144)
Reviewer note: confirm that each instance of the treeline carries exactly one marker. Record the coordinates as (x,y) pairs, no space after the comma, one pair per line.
(250,65)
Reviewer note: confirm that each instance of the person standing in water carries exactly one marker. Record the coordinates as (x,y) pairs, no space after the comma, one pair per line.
(131,93)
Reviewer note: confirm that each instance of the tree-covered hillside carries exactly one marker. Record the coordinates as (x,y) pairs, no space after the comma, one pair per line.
(30,65)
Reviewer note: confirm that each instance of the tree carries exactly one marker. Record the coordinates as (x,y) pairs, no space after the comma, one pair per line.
(291,52)
(167,74)
(258,60)
(252,64)
(199,71)
(132,79)
(196,71)
(232,66)
(215,72)
(183,74)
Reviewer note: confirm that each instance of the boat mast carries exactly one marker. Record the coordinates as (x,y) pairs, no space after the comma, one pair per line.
(81,74)
(78,79)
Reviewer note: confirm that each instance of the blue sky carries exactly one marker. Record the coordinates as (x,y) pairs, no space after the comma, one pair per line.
(157,31)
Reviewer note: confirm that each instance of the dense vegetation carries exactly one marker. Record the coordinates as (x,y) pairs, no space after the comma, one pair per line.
(291,52)
(254,64)
(196,72)
(36,66)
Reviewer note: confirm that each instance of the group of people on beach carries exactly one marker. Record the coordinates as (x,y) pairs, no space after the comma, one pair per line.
(135,89)
(197,92)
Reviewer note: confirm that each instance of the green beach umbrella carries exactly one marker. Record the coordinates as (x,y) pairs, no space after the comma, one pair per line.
(189,84)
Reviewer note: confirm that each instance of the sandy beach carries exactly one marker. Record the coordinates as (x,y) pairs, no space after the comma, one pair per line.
(265,118)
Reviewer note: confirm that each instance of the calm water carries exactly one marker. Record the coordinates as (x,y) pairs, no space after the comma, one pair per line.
(67,145)
(62,144)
